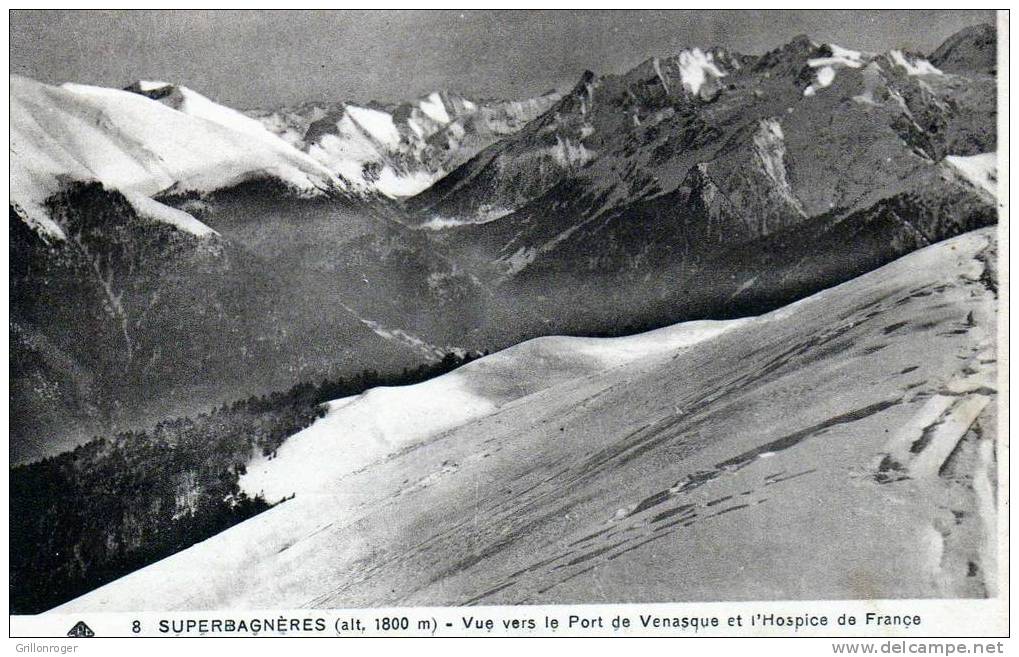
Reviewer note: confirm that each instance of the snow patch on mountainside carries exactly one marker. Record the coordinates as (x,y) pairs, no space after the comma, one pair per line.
(569,154)
(827,67)
(658,71)
(825,76)
(695,66)
(428,350)
(484,215)
(770,149)
(398,185)
(434,108)
(840,57)
(150,85)
(918,66)
(38,219)
(159,212)
(377,124)
(518,261)
(981,170)
(873,78)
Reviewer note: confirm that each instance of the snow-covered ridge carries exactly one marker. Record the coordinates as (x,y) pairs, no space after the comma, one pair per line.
(197,105)
(272,155)
(362,429)
(133,143)
(379,125)
(359,148)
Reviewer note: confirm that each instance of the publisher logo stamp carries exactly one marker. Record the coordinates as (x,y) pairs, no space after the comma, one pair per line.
(81,631)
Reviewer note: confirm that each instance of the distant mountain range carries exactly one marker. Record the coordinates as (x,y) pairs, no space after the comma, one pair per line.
(400,150)
(169,253)
(718,182)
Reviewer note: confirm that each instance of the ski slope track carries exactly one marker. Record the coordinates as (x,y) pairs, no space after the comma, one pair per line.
(842,447)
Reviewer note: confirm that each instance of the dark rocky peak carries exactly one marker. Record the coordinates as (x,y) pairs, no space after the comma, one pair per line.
(579,100)
(970,50)
(153,90)
(586,78)
(790,58)
(168,94)
(325,125)
(689,77)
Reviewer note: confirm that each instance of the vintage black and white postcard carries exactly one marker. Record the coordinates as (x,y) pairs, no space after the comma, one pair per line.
(523,322)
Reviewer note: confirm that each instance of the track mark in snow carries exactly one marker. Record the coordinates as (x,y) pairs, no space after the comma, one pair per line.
(946,434)
(487,593)
(648,530)
(920,448)
(794,439)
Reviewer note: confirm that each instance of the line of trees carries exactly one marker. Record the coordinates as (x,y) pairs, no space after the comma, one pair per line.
(114,505)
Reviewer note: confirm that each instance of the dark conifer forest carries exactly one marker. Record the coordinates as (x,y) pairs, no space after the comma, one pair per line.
(119,503)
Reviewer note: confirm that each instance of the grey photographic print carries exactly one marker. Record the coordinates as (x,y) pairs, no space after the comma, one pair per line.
(383,309)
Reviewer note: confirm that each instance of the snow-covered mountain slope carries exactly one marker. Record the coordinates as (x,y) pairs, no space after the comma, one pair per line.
(192,103)
(136,144)
(721,470)
(400,150)
(384,421)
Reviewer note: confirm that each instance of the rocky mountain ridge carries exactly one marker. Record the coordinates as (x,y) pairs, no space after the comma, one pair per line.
(400,149)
